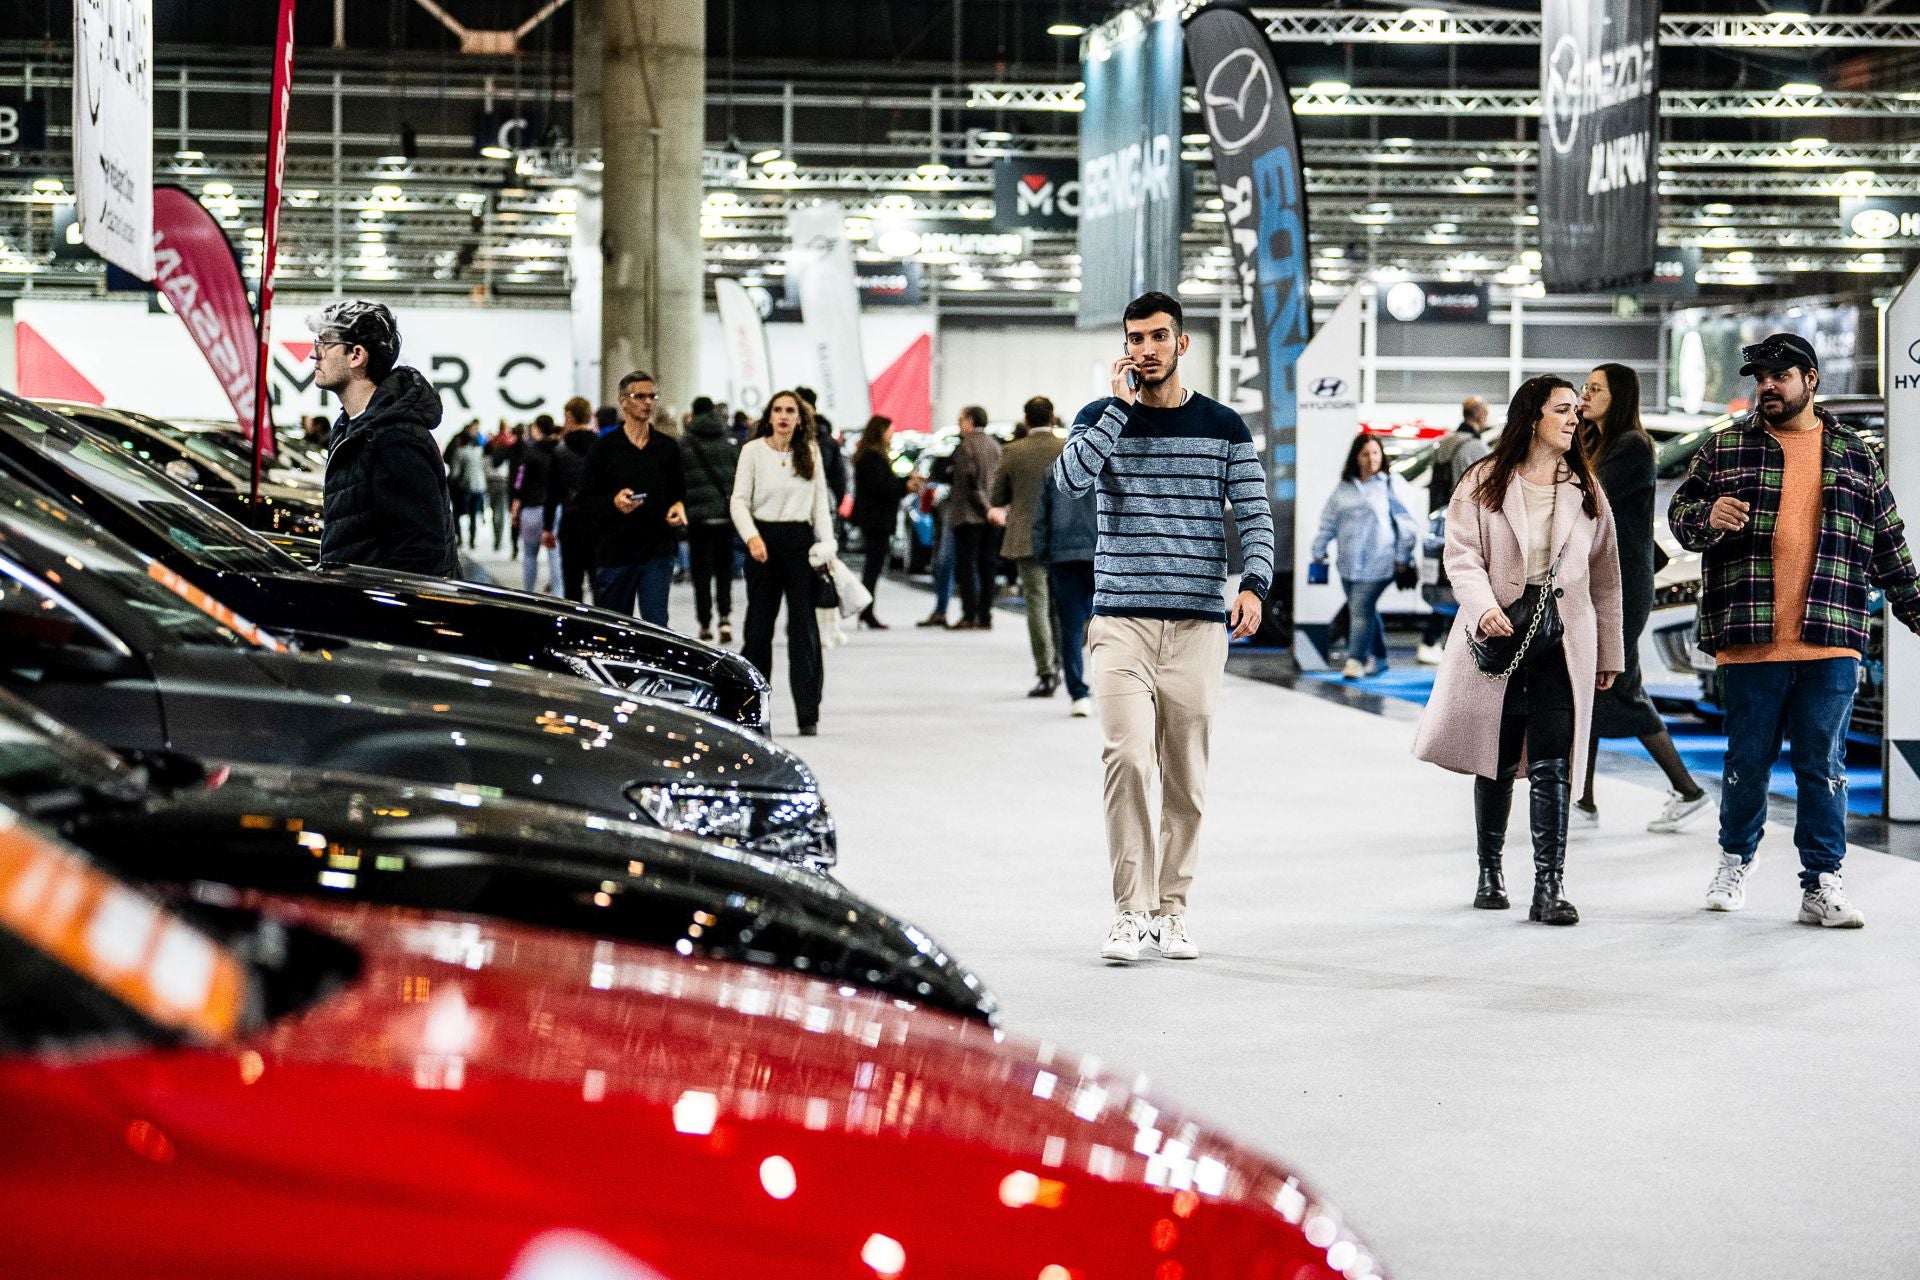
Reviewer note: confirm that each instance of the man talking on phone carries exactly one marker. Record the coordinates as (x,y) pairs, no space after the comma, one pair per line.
(1794,522)
(1166,463)
(635,492)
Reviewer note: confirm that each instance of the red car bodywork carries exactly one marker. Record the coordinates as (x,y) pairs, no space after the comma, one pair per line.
(483,1100)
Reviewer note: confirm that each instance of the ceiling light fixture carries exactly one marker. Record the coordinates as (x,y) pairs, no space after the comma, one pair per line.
(1800,89)
(762,157)
(497,152)
(1069,30)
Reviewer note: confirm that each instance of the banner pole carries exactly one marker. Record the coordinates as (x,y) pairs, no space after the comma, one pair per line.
(270,235)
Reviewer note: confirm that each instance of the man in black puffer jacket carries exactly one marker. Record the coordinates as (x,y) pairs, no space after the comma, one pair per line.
(386,497)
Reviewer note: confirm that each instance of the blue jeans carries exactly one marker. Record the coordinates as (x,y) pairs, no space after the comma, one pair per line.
(1366,634)
(944,560)
(1072,583)
(615,587)
(1809,703)
(531,519)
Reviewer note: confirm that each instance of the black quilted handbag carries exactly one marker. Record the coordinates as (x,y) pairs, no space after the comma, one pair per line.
(1537,631)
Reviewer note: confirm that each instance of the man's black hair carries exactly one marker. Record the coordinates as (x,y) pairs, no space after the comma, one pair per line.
(1149,304)
(702,404)
(630,379)
(976,415)
(809,395)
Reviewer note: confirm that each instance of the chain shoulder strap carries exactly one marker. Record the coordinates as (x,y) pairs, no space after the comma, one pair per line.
(1533,626)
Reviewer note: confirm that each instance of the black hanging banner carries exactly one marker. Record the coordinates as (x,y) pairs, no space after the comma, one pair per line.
(1256,155)
(1599,143)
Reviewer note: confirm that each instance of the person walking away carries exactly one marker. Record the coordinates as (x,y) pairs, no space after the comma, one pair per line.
(877,494)
(503,455)
(1065,534)
(943,560)
(1165,462)
(567,521)
(1531,513)
(1794,523)
(781,509)
(635,493)
(1367,514)
(833,459)
(386,502)
(1623,462)
(974,463)
(467,480)
(1451,458)
(709,458)
(1017,483)
(530,494)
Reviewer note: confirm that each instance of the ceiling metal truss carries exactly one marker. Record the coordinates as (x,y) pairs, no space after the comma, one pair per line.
(1434,26)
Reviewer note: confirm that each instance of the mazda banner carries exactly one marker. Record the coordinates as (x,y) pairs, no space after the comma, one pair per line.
(1599,143)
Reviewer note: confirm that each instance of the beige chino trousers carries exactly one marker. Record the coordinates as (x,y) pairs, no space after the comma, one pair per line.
(1155,683)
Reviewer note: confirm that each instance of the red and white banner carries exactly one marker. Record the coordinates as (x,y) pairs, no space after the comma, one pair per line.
(262,427)
(193,264)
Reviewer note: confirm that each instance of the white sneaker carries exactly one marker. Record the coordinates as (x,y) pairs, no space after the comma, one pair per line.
(1124,939)
(1081,708)
(1678,811)
(1170,935)
(1728,892)
(1581,818)
(1429,655)
(1828,907)
(1353,670)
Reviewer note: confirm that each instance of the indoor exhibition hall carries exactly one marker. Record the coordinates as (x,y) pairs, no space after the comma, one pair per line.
(894,639)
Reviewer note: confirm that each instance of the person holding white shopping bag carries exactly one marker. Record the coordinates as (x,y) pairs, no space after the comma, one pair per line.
(782,511)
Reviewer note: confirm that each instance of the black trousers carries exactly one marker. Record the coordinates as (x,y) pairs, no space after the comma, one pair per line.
(786,576)
(576,559)
(1537,715)
(974,554)
(710,549)
(876,538)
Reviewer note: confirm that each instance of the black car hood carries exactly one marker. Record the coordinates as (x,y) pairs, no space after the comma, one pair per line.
(343,836)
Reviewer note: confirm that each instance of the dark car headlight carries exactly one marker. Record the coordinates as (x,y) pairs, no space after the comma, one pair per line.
(793,826)
(646,681)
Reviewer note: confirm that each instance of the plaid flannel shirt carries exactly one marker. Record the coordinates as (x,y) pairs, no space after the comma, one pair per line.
(1862,543)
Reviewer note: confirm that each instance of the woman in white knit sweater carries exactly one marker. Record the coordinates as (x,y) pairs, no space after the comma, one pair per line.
(781,508)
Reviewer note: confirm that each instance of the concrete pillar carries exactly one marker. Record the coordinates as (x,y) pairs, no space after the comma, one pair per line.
(589,39)
(653,129)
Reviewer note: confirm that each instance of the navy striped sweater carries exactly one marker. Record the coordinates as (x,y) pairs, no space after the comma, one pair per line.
(1164,477)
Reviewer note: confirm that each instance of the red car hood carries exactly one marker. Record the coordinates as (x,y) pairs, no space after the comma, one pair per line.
(485,1100)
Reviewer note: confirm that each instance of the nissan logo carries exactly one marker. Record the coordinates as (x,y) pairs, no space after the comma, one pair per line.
(1238,99)
(1561,108)
(1875,224)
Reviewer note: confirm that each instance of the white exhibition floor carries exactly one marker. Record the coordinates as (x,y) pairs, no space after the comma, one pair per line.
(1659,1091)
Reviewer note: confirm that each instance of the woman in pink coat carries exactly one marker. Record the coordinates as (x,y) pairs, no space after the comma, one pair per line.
(1531,508)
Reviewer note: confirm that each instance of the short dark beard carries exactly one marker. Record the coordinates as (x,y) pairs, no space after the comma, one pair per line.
(1788,411)
(1173,367)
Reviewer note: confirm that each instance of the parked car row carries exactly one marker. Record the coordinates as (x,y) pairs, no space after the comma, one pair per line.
(362,924)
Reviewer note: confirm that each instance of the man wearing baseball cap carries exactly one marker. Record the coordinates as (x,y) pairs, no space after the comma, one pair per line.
(386,499)
(1795,523)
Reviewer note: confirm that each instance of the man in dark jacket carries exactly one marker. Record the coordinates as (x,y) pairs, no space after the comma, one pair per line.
(531,489)
(569,525)
(386,501)
(831,455)
(1065,532)
(636,489)
(976,553)
(708,457)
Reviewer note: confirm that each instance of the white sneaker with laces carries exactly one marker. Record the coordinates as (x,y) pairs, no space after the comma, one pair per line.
(1429,655)
(1170,936)
(1828,907)
(1124,939)
(1353,670)
(1728,892)
(1081,708)
(1678,811)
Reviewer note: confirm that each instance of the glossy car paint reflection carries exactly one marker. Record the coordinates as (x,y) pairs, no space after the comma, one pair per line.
(258,579)
(470,1090)
(89,643)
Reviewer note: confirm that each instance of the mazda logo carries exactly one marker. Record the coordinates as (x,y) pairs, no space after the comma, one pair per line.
(1329,388)
(1238,99)
(1561,108)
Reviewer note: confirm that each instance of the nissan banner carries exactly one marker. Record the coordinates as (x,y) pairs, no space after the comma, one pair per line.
(1599,143)
(113,130)
(1256,155)
(1132,199)
(822,261)
(261,430)
(749,362)
(193,265)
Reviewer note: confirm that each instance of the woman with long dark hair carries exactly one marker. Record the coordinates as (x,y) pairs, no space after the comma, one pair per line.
(782,513)
(1622,454)
(876,505)
(1531,514)
(1368,515)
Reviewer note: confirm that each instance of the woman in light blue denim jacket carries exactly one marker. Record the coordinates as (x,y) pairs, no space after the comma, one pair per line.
(1368,515)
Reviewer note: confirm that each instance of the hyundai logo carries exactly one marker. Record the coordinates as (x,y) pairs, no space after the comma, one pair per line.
(1332,388)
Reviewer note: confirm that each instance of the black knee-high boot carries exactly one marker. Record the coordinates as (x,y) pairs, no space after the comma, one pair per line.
(1492,805)
(1551,790)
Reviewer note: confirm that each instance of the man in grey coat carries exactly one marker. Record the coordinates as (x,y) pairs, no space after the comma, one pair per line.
(1017,485)
(976,551)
